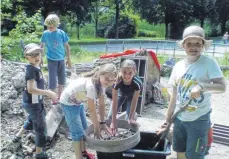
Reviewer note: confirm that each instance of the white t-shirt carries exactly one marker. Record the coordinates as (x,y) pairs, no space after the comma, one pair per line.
(202,71)
(78,91)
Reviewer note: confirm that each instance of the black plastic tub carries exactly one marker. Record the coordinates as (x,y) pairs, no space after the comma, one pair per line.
(143,150)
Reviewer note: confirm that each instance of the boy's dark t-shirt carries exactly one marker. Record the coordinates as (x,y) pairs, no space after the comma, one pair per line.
(35,73)
(128,90)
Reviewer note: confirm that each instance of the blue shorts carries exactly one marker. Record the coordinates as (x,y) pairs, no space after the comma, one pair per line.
(192,137)
(36,121)
(76,120)
(56,71)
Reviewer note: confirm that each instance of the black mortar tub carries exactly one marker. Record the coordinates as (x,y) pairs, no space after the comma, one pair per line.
(143,150)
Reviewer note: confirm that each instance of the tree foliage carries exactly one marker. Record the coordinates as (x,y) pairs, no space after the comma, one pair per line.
(202,9)
(222,8)
(26,29)
(173,13)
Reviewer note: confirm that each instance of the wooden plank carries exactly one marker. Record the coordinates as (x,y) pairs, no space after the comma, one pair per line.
(53,120)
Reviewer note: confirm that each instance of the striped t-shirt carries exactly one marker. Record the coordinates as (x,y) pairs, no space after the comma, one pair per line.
(128,90)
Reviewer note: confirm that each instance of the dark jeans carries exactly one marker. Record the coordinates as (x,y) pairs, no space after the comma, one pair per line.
(36,121)
(56,71)
(124,104)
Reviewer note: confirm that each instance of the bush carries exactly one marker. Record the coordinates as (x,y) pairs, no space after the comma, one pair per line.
(159,30)
(106,19)
(146,33)
(127,26)
(25,30)
(7,25)
(126,29)
(101,32)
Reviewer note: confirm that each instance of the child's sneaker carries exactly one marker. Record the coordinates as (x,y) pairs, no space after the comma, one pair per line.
(42,155)
(16,139)
(87,155)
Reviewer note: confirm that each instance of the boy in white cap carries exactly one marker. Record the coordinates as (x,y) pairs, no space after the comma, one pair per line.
(33,100)
(196,77)
(56,42)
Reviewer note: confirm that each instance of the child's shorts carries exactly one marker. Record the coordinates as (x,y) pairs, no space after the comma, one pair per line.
(76,120)
(56,71)
(192,137)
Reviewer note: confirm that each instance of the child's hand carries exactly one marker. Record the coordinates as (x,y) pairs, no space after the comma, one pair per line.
(52,95)
(162,128)
(113,127)
(196,91)
(131,121)
(104,127)
(68,63)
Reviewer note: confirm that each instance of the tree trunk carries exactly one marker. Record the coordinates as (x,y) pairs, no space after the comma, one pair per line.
(78,32)
(166,30)
(166,20)
(45,14)
(96,19)
(202,23)
(116,18)
(223,26)
(202,14)
(71,29)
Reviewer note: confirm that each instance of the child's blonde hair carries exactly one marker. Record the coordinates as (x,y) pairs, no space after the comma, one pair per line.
(52,20)
(103,70)
(128,64)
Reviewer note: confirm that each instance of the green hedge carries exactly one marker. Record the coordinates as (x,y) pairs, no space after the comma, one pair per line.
(147,33)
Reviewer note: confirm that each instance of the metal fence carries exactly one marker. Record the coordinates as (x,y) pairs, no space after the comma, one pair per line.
(161,46)
(166,48)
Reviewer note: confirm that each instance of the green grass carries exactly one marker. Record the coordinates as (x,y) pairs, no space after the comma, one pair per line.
(80,55)
(86,32)
(158,29)
(87,40)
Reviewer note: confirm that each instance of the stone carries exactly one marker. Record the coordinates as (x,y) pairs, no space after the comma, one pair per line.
(18,81)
